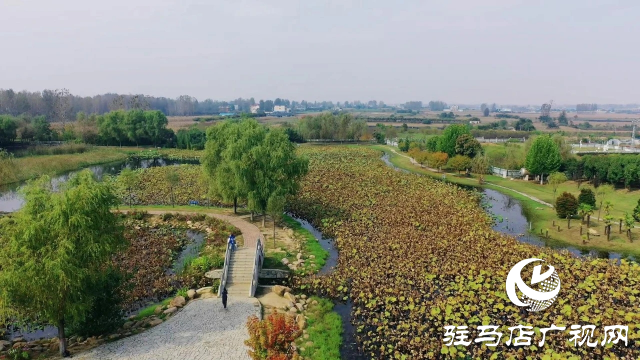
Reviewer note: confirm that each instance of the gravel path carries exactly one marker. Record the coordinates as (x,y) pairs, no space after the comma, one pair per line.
(202,330)
(250,232)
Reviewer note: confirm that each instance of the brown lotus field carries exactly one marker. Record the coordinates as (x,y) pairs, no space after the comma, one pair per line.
(417,254)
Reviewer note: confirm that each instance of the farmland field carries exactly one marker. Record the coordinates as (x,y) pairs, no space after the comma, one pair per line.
(417,254)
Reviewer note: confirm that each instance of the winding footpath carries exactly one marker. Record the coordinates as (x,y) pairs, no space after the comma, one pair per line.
(202,330)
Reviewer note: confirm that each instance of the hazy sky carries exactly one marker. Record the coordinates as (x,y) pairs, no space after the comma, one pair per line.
(459,51)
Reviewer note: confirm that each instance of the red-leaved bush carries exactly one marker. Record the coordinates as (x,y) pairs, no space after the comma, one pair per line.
(272,338)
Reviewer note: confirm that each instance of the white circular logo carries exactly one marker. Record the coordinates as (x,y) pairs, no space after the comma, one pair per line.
(535,299)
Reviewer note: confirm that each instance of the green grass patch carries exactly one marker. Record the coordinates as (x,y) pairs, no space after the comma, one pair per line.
(310,244)
(29,167)
(150,310)
(325,332)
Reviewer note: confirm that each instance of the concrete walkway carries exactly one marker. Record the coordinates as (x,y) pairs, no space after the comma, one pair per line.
(203,330)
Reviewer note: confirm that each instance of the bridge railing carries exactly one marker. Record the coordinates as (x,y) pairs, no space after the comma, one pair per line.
(257,266)
(225,269)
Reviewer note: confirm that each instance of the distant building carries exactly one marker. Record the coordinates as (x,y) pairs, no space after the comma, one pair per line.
(454,108)
(474,122)
(224,109)
(279,108)
(255,108)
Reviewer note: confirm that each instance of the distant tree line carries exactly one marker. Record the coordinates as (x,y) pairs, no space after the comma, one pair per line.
(61,105)
(616,169)
(586,107)
(119,127)
(328,126)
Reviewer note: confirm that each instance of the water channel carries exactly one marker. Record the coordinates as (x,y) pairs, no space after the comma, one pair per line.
(10,199)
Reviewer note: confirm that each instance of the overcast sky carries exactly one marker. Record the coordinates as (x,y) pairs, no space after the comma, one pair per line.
(459,51)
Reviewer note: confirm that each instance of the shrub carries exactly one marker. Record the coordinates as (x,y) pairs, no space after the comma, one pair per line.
(138,214)
(167,216)
(587,196)
(459,163)
(636,211)
(566,205)
(199,217)
(272,338)
(183,292)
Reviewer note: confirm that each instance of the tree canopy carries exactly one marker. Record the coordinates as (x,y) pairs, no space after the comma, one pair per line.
(467,145)
(543,156)
(61,242)
(246,161)
(449,138)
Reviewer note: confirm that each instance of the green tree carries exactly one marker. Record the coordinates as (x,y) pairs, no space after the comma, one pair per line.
(61,242)
(173,179)
(272,168)
(432,143)
(129,179)
(275,208)
(636,211)
(603,191)
(562,119)
(555,180)
(467,145)
(543,157)
(449,138)
(629,221)
(485,112)
(584,210)
(566,205)
(480,165)
(459,163)
(405,127)
(222,160)
(587,196)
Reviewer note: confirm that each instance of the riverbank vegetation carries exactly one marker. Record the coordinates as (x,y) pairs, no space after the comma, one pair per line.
(14,169)
(412,275)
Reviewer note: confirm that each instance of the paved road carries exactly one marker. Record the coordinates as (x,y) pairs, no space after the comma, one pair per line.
(203,330)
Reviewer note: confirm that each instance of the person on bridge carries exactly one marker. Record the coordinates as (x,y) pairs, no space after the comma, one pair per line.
(225,294)
(232,242)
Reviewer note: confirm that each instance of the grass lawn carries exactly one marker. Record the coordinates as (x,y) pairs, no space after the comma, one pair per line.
(25,168)
(541,216)
(325,332)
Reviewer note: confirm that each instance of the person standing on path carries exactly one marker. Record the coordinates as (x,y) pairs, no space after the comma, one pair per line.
(224,297)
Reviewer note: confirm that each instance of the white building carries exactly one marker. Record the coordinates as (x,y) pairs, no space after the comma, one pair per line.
(255,108)
(279,108)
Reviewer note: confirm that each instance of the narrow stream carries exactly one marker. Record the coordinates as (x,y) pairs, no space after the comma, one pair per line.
(349,348)
(11,200)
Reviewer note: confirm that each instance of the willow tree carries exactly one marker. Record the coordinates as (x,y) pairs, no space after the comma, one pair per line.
(228,144)
(273,170)
(245,160)
(54,251)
